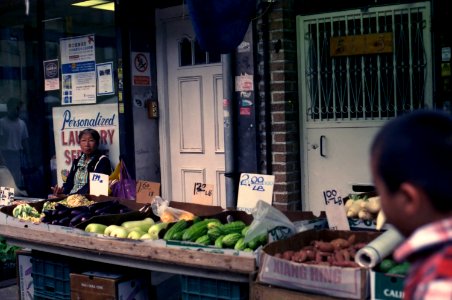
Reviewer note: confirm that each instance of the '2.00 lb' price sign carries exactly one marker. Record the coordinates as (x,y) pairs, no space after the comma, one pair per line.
(254,187)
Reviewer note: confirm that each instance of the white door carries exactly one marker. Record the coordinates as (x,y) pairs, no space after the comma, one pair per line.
(191,97)
(346,99)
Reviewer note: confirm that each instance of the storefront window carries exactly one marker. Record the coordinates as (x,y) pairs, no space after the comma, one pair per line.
(30,51)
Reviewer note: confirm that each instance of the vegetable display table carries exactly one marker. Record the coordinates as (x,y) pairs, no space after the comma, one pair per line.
(148,255)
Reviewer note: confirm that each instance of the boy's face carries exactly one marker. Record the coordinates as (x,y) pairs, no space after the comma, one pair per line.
(391,203)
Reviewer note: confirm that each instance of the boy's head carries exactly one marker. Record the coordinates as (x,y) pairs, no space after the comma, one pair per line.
(411,162)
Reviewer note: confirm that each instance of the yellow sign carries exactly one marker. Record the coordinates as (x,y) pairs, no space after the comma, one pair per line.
(374,43)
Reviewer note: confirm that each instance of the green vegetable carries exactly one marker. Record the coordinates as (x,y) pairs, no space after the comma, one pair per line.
(401,269)
(203,240)
(214,232)
(178,235)
(240,244)
(233,227)
(386,264)
(178,226)
(219,241)
(196,230)
(230,239)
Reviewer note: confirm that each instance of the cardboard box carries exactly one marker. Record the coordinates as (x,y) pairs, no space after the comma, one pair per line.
(103,286)
(24,278)
(386,286)
(350,283)
(259,291)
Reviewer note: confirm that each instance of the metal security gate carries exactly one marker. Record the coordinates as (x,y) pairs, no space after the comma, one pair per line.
(357,92)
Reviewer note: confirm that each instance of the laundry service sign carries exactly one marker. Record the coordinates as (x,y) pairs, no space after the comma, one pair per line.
(68,121)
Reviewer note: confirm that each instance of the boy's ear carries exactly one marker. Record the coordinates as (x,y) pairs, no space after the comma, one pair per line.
(412,198)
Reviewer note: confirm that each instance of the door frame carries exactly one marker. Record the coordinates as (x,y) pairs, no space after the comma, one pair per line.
(162,16)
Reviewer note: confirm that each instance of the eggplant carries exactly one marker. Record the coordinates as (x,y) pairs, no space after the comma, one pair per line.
(64,221)
(113,209)
(79,210)
(79,218)
(100,205)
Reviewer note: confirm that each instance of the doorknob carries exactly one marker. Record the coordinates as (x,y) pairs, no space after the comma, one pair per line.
(322,139)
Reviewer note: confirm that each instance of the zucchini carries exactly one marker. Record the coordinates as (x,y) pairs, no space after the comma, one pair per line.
(178,235)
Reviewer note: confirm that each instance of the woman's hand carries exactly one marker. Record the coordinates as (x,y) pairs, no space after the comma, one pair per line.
(57,190)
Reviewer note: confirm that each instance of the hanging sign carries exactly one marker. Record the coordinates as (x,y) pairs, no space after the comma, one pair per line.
(374,43)
(78,70)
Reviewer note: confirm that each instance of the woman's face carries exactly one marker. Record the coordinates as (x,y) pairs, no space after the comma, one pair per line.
(88,144)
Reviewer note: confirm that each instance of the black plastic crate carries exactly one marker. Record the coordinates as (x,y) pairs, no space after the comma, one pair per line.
(51,278)
(197,288)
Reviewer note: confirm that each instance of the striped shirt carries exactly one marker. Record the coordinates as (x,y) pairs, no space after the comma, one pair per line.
(429,249)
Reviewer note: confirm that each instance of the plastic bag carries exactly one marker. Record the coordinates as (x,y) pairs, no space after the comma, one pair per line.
(125,187)
(268,219)
(167,214)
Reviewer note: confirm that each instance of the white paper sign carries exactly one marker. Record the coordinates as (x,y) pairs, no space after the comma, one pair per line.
(335,211)
(6,195)
(98,184)
(254,187)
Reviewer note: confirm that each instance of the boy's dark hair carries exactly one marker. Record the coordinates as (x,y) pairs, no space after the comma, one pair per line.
(417,148)
(93,133)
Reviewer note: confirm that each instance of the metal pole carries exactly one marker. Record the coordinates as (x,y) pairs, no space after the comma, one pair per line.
(229,147)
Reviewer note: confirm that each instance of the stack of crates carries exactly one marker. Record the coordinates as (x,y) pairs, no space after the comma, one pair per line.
(51,278)
(197,288)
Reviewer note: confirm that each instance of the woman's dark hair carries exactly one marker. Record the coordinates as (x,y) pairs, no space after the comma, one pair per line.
(417,148)
(92,132)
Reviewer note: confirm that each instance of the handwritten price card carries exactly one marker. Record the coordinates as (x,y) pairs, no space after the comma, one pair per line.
(146,191)
(98,184)
(335,211)
(6,195)
(202,193)
(254,187)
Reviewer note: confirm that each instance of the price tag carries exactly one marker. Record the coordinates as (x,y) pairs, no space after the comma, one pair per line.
(202,193)
(98,184)
(254,187)
(335,211)
(146,191)
(6,195)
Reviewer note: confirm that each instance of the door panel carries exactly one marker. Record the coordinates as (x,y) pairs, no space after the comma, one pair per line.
(346,98)
(195,112)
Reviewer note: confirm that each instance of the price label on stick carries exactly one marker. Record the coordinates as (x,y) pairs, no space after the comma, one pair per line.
(98,184)
(252,188)
(6,195)
(335,211)
(202,193)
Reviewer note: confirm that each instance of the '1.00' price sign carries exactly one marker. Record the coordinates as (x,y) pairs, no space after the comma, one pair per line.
(335,211)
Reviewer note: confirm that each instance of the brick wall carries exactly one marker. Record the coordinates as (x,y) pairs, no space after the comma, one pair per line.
(284,155)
